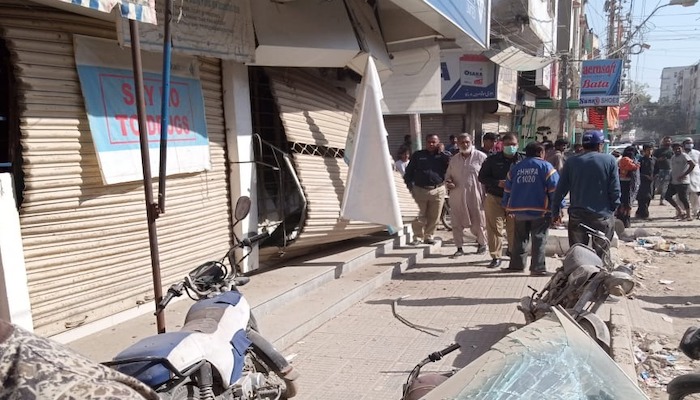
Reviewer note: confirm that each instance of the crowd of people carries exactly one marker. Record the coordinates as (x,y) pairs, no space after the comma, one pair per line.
(503,195)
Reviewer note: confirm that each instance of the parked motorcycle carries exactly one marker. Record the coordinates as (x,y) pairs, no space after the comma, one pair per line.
(581,286)
(219,352)
(687,384)
(418,385)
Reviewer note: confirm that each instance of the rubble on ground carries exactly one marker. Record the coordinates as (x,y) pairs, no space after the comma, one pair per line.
(658,360)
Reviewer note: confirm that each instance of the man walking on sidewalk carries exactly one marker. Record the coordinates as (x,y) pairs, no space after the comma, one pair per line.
(493,176)
(593,181)
(662,172)
(527,196)
(466,194)
(425,176)
(681,167)
(646,182)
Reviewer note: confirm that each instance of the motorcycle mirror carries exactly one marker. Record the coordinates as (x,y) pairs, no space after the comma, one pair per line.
(242,208)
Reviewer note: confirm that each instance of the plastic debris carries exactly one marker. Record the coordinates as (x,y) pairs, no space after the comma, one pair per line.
(665,282)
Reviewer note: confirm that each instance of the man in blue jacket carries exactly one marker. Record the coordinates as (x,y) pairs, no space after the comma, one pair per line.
(593,183)
(529,191)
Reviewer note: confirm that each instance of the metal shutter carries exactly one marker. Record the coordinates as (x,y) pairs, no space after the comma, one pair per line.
(86,244)
(490,123)
(442,124)
(397,126)
(317,114)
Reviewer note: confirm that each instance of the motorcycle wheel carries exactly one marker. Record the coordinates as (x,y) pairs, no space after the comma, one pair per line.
(261,363)
(187,391)
(590,330)
(445,216)
(682,386)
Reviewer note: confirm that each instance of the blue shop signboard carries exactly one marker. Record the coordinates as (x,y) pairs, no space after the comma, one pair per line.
(467,77)
(600,83)
(471,16)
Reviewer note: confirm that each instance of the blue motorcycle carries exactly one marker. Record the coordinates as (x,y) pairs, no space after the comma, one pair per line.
(219,352)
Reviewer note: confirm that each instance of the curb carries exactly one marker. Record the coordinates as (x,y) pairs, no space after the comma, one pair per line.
(621,336)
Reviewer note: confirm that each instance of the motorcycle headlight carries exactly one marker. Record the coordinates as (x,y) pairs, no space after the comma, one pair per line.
(619,283)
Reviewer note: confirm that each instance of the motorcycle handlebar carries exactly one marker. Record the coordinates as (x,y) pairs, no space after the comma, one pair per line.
(438,355)
(250,241)
(592,231)
(174,291)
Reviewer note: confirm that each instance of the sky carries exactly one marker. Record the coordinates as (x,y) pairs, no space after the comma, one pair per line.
(673,33)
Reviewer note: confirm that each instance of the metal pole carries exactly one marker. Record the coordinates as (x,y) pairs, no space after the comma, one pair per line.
(151,208)
(165,106)
(415,130)
(611,28)
(563,102)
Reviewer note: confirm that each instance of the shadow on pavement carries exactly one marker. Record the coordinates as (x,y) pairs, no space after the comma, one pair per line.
(678,307)
(437,275)
(477,341)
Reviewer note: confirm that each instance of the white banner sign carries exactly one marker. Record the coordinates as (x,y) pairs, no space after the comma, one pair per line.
(370,191)
(139,10)
(212,28)
(107,83)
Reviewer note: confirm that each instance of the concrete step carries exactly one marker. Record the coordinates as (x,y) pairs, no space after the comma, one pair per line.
(290,322)
(352,269)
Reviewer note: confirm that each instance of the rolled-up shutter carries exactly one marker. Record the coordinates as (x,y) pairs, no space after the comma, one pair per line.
(86,244)
(316,118)
(443,125)
(397,127)
(490,123)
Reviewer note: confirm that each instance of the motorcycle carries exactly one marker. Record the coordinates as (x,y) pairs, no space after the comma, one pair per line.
(581,286)
(687,384)
(417,386)
(219,352)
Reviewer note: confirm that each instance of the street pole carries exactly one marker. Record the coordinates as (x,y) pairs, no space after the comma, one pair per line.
(611,28)
(415,130)
(564,100)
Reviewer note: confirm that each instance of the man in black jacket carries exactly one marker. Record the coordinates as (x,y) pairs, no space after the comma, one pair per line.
(425,178)
(493,175)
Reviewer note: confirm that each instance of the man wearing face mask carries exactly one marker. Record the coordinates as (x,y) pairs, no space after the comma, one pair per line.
(493,175)
(425,178)
(466,194)
(694,187)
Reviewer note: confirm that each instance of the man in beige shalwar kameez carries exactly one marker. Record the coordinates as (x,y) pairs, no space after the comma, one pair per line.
(466,194)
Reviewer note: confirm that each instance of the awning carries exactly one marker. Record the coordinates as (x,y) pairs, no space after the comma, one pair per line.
(139,10)
(466,22)
(518,60)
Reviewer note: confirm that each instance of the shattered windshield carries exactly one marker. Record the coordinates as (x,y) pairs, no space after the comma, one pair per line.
(551,358)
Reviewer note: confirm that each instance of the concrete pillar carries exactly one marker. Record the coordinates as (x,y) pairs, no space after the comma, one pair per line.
(14,292)
(239,142)
(416,132)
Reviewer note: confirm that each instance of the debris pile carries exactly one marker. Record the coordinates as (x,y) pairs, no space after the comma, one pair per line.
(658,360)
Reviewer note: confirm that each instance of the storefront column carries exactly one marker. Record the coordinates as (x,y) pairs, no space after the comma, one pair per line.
(14,292)
(239,142)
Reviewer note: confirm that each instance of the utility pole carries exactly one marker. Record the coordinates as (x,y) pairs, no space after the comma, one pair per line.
(564,100)
(612,9)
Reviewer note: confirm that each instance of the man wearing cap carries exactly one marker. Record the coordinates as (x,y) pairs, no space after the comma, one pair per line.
(592,181)
(425,178)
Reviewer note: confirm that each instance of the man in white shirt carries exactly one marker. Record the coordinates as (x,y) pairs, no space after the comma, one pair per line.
(402,162)
(694,186)
(681,167)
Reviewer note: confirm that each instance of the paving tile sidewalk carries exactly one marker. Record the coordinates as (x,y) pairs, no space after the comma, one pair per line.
(366,353)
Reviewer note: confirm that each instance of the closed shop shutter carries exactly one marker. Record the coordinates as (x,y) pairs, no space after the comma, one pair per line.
(316,119)
(443,125)
(490,123)
(397,126)
(504,122)
(86,244)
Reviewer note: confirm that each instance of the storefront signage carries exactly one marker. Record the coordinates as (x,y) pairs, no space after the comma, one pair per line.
(211,28)
(600,83)
(110,101)
(471,16)
(139,10)
(467,77)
